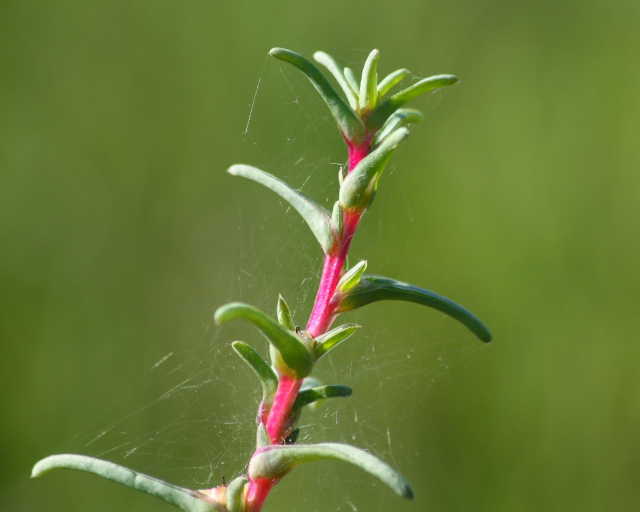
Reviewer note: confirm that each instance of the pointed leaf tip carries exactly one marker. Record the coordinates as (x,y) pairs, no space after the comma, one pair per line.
(184,499)
(373,288)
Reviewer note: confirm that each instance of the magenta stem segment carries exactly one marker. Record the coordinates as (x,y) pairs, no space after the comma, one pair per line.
(286,394)
(320,321)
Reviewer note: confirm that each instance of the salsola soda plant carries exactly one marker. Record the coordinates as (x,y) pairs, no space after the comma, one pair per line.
(373,124)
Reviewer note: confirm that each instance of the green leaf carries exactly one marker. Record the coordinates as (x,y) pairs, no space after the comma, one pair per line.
(384,109)
(373,288)
(329,340)
(348,121)
(309,396)
(337,217)
(336,70)
(235,494)
(185,499)
(315,215)
(352,79)
(291,349)
(284,315)
(267,376)
(275,461)
(262,436)
(390,80)
(369,83)
(352,276)
(401,117)
(359,188)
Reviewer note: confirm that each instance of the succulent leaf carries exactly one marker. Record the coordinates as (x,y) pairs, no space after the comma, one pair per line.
(387,107)
(329,340)
(336,70)
(235,494)
(309,396)
(315,216)
(373,288)
(291,349)
(401,117)
(267,376)
(275,461)
(348,121)
(284,315)
(369,83)
(262,436)
(184,499)
(352,79)
(390,80)
(359,188)
(352,276)
(337,217)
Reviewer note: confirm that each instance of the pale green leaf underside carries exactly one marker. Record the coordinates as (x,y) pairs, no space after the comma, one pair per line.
(359,187)
(349,122)
(387,107)
(235,494)
(285,318)
(401,117)
(374,288)
(369,82)
(293,352)
(185,499)
(317,217)
(275,461)
(351,77)
(335,336)
(390,80)
(336,70)
(267,376)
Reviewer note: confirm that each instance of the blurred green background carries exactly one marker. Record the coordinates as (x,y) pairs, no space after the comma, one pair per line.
(120,233)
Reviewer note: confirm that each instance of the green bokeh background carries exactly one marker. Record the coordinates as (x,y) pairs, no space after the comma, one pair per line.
(120,233)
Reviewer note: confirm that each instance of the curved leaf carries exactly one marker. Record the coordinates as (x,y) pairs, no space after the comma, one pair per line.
(383,110)
(336,70)
(309,396)
(359,187)
(185,499)
(276,461)
(401,117)
(369,82)
(292,350)
(373,288)
(318,219)
(267,376)
(235,494)
(285,318)
(390,80)
(329,340)
(349,122)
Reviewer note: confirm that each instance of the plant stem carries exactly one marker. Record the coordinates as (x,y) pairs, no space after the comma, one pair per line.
(320,321)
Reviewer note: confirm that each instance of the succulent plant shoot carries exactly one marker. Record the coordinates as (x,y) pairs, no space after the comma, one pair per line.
(374,122)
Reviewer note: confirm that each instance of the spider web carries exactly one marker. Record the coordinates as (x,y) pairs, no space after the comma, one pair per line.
(207,398)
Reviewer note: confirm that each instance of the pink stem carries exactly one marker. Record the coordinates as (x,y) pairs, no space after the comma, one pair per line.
(286,394)
(320,322)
